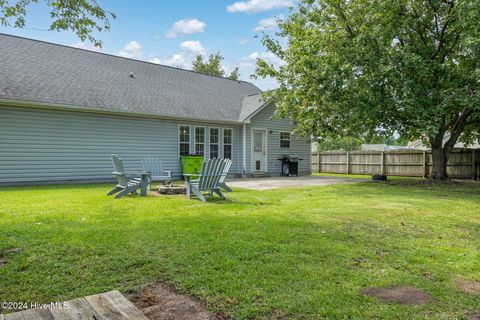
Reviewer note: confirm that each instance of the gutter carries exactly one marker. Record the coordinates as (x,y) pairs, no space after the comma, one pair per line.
(67,107)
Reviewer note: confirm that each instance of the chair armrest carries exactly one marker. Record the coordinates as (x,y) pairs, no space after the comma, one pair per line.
(128,177)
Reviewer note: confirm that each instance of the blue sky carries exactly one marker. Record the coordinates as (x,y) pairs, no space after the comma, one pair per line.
(173,32)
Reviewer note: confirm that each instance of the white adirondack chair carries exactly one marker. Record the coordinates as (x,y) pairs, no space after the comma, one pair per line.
(155,167)
(208,180)
(221,183)
(124,185)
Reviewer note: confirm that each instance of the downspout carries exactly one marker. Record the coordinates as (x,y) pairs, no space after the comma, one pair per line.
(244,147)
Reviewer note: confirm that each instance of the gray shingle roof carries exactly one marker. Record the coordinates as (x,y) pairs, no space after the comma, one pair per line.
(43,72)
(251,104)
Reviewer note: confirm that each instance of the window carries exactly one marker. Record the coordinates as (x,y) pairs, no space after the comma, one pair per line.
(199,141)
(284,139)
(227,143)
(184,140)
(258,141)
(214,139)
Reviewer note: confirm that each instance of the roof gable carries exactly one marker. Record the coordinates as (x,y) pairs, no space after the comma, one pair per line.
(251,105)
(48,73)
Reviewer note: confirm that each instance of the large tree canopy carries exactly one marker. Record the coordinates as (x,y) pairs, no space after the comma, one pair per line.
(213,66)
(357,67)
(83,17)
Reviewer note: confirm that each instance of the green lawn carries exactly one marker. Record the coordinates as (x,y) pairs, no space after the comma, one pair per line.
(292,253)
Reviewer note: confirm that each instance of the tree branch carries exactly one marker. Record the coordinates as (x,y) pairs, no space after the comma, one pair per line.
(441,36)
(457,129)
(344,20)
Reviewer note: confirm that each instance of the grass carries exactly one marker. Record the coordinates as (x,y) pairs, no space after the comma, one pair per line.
(291,253)
(363,176)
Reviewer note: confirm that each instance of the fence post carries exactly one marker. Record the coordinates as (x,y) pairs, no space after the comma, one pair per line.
(319,165)
(425,168)
(348,162)
(474,161)
(477,166)
(382,163)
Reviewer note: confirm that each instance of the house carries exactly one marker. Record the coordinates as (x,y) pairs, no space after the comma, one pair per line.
(420,145)
(64,111)
(380,147)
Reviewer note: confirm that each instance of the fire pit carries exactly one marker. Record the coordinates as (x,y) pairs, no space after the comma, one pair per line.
(172,189)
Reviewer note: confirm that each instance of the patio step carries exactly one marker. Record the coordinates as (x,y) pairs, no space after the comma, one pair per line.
(259,175)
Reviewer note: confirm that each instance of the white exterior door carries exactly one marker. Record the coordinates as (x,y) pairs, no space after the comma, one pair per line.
(259,151)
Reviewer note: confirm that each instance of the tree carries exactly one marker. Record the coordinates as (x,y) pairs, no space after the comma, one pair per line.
(355,143)
(213,66)
(339,143)
(83,17)
(355,66)
(388,140)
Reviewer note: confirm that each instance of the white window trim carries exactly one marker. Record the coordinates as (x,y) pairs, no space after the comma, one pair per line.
(210,143)
(204,139)
(280,139)
(178,137)
(223,142)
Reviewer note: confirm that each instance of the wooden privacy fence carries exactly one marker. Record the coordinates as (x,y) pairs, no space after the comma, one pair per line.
(409,163)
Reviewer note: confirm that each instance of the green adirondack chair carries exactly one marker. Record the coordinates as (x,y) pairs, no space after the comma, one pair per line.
(124,185)
(221,183)
(208,180)
(154,166)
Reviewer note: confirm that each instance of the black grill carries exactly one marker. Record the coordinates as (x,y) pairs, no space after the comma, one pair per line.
(289,165)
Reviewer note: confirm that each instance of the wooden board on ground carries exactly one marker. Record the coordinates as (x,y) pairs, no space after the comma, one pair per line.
(76,309)
(35,314)
(14,316)
(113,305)
(105,306)
(30,314)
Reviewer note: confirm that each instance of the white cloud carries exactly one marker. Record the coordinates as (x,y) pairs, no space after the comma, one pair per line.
(177,60)
(268,57)
(247,67)
(185,26)
(255,6)
(184,58)
(193,46)
(155,60)
(243,40)
(132,50)
(267,24)
(82,45)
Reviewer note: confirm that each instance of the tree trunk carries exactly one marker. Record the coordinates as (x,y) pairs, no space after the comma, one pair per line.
(440,161)
(440,151)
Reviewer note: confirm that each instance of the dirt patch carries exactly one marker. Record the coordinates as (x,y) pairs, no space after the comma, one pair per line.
(473,315)
(162,302)
(403,295)
(10,251)
(468,286)
(5,253)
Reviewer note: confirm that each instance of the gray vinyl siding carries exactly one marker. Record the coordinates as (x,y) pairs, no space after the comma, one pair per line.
(40,145)
(298,146)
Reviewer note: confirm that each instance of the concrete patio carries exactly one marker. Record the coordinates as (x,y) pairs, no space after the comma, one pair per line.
(289,182)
